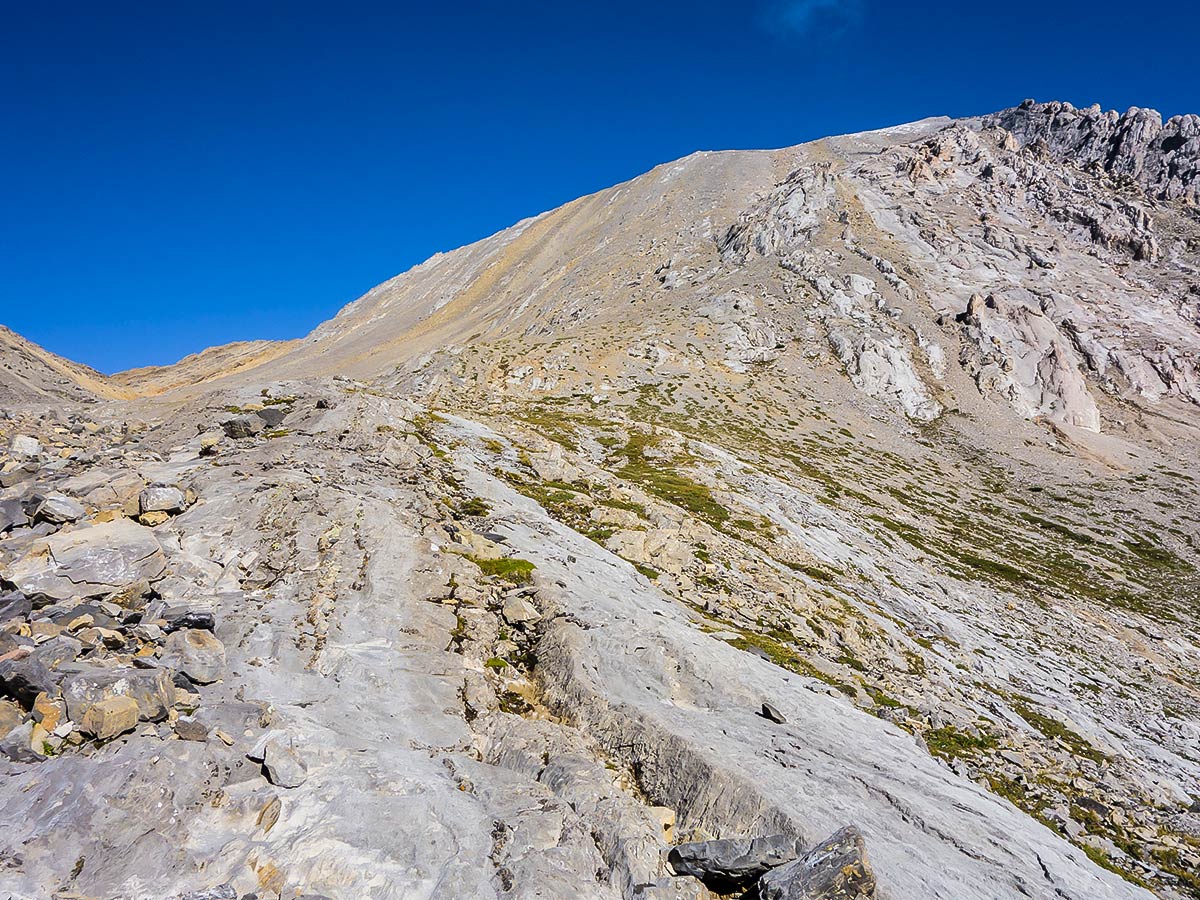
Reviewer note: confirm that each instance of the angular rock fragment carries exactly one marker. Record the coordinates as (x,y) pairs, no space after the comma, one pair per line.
(59,509)
(190,729)
(150,688)
(242,426)
(110,717)
(161,498)
(12,515)
(281,762)
(732,865)
(196,653)
(24,678)
(177,617)
(22,446)
(18,744)
(14,605)
(835,869)
(11,715)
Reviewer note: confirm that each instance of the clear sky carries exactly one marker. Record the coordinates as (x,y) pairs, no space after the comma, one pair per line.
(177,175)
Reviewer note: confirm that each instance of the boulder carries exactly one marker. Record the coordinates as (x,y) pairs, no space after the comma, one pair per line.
(196,653)
(14,605)
(110,717)
(121,492)
(161,498)
(189,616)
(152,689)
(89,562)
(282,763)
(23,446)
(191,729)
(11,715)
(273,416)
(59,509)
(242,426)
(519,611)
(17,745)
(835,869)
(732,865)
(24,678)
(12,515)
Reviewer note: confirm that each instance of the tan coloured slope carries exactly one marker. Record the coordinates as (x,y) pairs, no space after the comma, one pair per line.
(201,368)
(29,373)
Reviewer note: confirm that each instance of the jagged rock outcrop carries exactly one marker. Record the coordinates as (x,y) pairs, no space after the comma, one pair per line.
(1164,158)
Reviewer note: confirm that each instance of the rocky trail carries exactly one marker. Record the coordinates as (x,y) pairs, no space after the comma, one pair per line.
(809,524)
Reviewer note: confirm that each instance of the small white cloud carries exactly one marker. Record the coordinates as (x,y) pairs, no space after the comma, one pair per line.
(814,18)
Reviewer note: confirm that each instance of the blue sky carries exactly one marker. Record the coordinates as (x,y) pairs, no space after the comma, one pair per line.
(182,175)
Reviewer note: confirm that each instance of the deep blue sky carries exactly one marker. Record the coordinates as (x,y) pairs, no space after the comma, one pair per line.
(180,175)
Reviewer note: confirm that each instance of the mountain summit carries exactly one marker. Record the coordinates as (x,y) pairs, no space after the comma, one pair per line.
(817,522)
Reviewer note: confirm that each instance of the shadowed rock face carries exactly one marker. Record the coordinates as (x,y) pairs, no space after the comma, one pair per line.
(842,490)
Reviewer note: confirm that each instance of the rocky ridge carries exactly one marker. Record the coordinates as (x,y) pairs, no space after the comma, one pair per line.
(815,523)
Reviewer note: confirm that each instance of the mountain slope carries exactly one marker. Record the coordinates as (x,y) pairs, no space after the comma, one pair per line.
(32,374)
(895,433)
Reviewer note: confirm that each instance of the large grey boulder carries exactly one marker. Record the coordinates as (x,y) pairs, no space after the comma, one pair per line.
(12,515)
(162,498)
(23,446)
(242,426)
(732,865)
(14,605)
(89,562)
(59,509)
(196,653)
(24,678)
(153,690)
(835,869)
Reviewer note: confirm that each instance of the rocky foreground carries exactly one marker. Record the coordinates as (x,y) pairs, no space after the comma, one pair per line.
(813,524)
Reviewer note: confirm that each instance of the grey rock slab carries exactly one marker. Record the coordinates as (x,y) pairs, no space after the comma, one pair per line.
(730,865)
(283,764)
(196,653)
(161,498)
(59,509)
(242,426)
(17,745)
(835,869)
(24,678)
(22,445)
(632,669)
(12,515)
(89,562)
(14,605)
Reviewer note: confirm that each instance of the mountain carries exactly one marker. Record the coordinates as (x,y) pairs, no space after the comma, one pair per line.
(841,496)
(31,373)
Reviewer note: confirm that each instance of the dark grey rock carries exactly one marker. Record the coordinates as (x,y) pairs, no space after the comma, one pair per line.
(772,714)
(14,605)
(242,426)
(12,515)
(835,869)
(179,617)
(23,679)
(273,416)
(732,865)
(59,509)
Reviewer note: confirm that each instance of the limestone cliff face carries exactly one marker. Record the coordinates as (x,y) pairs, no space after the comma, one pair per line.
(837,500)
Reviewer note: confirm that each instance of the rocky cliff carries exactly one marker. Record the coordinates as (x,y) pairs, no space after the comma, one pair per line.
(810,523)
